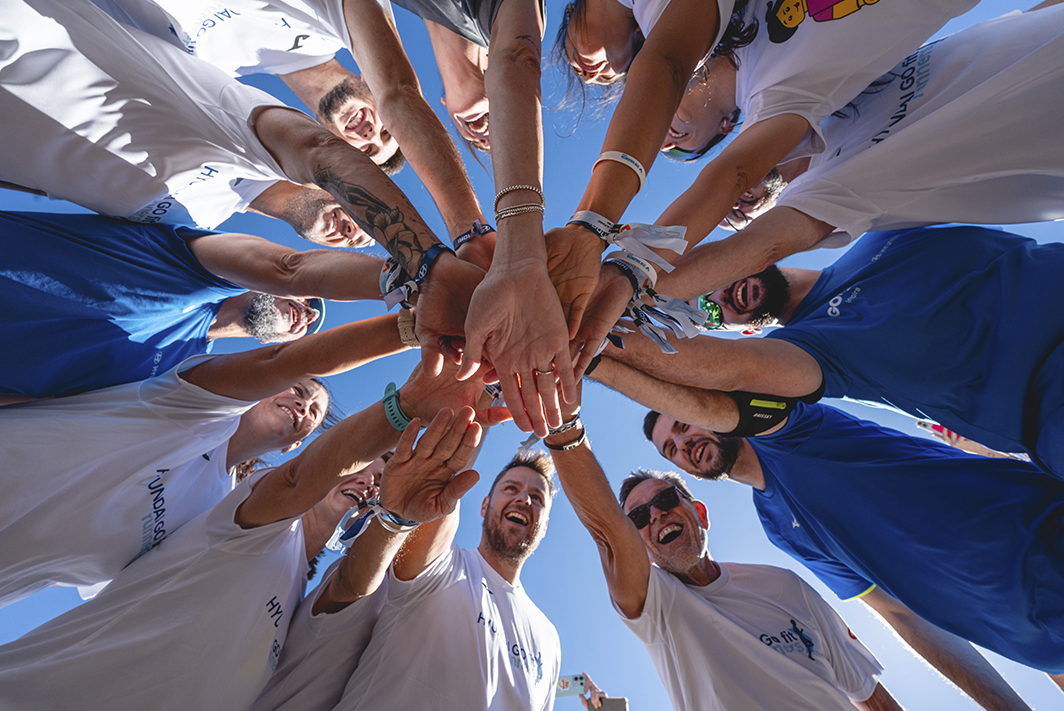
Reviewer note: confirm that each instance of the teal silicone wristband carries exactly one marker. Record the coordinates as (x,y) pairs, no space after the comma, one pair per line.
(396,417)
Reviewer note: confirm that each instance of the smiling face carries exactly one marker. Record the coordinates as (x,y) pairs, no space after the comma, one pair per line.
(601,41)
(675,539)
(754,302)
(350,111)
(707,109)
(466,102)
(756,201)
(316,216)
(272,319)
(283,421)
(353,490)
(515,513)
(698,452)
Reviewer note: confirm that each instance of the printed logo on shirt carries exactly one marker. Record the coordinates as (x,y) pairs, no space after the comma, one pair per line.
(792,640)
(153,524)
(913,74)
(298,43)
(528,661)
(155,363)
(837,301)
(782,17)
(156,213)
(211,21)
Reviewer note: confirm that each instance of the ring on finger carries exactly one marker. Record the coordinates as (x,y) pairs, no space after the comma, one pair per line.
(544,372)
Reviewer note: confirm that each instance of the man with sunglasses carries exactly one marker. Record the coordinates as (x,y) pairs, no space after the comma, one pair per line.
(946,546)
(721,635)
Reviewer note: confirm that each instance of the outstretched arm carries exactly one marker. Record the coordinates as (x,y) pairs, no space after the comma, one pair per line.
(418,484)
(262,372)
(759,365)
(709,409)
(515,320)
(258,264)
(310,154)
(779,233)
(654,85)
(953,657)
(880,700)
(425,142)
(621,550)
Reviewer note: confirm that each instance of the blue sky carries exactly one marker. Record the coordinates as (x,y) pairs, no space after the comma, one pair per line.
(564,576)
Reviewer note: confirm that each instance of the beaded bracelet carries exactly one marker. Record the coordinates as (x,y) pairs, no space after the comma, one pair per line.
(505,191)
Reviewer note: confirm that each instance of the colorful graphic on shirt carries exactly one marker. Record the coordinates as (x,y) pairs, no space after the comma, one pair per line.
(783,16)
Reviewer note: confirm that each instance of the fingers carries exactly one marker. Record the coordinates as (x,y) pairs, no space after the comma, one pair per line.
(405,448)
(491,416)
(458,487)
(468,442)
(563,363)
(529,400)
(548,396)
(471,355)
(512,392)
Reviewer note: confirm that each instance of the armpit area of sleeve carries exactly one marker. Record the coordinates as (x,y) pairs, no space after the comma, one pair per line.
(650,625)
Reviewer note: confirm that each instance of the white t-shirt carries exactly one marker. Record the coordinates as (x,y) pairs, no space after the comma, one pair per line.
(757,637)
(457,637)
(647,13)
(123,123)
(965,132)
(321,652)
(92,481)
(243,37)
(197,623)
(824,64)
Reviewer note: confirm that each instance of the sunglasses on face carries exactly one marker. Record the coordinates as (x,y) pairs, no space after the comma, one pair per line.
(716,313)
(664,500)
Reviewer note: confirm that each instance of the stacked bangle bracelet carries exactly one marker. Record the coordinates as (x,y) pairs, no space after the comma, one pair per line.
(521,209)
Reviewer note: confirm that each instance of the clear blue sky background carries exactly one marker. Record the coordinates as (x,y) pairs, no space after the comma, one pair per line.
(564,576)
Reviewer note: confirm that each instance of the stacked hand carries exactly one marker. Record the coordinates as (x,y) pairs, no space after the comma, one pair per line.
(573,261)
(515,320)
(424,483)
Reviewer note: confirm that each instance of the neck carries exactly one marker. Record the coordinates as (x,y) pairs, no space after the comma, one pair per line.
(800,282)
(508,568)
(244,445)
(228,323)
(704,572)
(311,84)
(747,467)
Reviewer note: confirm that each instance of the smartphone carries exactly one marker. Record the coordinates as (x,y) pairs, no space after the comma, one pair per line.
(616,704)
(570,685)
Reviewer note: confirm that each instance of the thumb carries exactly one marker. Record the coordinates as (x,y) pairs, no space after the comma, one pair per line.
(459,486)
(474,347)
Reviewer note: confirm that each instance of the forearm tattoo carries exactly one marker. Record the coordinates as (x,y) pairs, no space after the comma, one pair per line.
(404,238)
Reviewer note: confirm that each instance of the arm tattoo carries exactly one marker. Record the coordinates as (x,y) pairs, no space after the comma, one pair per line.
(405,239)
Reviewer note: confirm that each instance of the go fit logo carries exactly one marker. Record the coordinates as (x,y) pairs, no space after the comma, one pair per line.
(833,306)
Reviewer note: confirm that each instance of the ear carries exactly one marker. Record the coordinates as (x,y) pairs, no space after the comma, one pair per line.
(703,514)
(484,507)
(292,447)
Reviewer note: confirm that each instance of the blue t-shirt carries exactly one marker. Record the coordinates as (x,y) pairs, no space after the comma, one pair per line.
(972,544)
(90,302)
(952,323)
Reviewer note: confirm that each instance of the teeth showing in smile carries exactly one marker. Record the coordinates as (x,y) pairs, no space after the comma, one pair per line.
(677,136)
(291,414)
(517,517)
(697,452)
(669,533)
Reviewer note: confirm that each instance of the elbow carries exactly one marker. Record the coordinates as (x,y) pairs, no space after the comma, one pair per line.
(286,272)
(519,59)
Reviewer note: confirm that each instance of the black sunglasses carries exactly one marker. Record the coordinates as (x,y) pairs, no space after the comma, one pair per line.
(664,500)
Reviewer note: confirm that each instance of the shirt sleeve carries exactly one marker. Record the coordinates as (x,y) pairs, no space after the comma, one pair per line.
(856,669)
(650,626)
(445,570)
